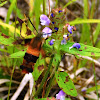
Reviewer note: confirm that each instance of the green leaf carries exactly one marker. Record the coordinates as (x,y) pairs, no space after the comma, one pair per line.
(10,27)
(18,54)
(3,3)
(65,83)
(6,40)
(92,89)
(85,50)
(3,50)
(56,59)
(38,67)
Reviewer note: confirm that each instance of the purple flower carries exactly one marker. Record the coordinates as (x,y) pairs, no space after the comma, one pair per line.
(60,11)
(44,20)
(53,22)
(46,32)
(68,38)
(84,89)
(70,28)
(61,95)
(56,28)
(52,42)
(63,41)
(75,45)
(52,15)
(67,35)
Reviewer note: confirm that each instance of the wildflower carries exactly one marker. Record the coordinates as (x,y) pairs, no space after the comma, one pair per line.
(52,15)
(46,32)
(75,45)
(63,41)
(60,11)
(53,22)
(84,89)
(44,20)
(56,28)
(68,38)
(61,95)
(70,28)
(67,35)
(52,42)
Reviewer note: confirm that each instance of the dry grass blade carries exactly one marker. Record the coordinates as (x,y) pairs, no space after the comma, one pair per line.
(6,88)
(92,95)
(27,95)
(89,80)
(4,98)
(91,59)
(78,72)
(24,81)
(2,81)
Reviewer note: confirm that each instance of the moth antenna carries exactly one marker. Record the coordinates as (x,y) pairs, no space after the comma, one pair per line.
(32,24)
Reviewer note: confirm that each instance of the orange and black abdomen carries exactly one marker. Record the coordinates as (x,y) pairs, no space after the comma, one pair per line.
(32,54)
(28,63)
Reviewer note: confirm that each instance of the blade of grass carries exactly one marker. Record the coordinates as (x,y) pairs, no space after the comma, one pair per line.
(92,9)
(10,10)
(70,2)
(85,27)
(44,5)
(82,21)
(85,9)
(11,78)
(92,89)
(96,33)
(95,81)
(31,7)
(37,4)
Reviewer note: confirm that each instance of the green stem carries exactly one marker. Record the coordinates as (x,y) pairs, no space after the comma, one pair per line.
(51,81)
(49,86)
(95,81)
(11,79)
(44,78)
(43,6)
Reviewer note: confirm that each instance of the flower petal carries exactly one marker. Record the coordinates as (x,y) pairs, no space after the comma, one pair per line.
(70,28)
(44,20)
(75,45)
(61,95)
(46,32)
(52,42)
(63,41)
